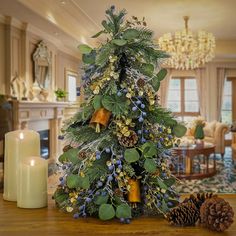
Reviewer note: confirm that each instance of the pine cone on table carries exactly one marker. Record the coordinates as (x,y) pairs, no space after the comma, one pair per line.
(129,141)
(185,214)
(216,214)
(199,199)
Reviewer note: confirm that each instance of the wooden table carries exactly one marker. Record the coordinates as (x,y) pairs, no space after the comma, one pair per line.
(186,155)
(50,221)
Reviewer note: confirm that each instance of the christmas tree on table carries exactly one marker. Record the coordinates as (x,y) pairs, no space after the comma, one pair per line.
(116,164)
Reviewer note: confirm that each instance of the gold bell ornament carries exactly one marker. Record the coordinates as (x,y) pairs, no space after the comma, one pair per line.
(134,194)
(100,119)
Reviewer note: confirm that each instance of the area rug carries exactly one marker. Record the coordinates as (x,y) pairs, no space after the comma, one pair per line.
(223,182)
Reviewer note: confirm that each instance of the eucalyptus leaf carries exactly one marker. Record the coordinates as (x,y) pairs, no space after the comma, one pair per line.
(147,69)
(73,181)
(161,184)
(149,149)
(97,102)
(106,212)
(83,182)
(150,165)
(101,199)
(123,211)
(131,155)
(60,196)
(156,84)
(161,74)
(130,34)
(169,182)
(179,130)
(117,105)
(119,42)
(71,155)
(89,58)
(85,49)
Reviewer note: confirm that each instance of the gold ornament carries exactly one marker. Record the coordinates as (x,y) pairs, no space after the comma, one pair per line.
(134,194)
(100,118)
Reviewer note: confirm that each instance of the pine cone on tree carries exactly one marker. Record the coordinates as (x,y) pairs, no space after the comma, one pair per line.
(185,214)
(129,141)
(140,83)
(66,148)
(199,199)
(216,214)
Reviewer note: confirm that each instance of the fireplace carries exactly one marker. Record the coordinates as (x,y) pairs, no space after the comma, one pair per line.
(46,119)
(44,143)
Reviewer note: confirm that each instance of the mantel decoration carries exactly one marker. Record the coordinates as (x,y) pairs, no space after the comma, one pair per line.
(116,160)
(188,51)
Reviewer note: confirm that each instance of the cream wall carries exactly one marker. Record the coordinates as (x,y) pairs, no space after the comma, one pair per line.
(2,58)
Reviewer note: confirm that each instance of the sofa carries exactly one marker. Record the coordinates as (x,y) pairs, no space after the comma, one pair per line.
(214,133)
(233,146)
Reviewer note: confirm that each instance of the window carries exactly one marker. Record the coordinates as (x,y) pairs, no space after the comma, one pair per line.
(71,81)
(226,111)
(183,98)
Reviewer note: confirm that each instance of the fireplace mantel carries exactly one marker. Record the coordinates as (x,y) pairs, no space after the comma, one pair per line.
(39,116)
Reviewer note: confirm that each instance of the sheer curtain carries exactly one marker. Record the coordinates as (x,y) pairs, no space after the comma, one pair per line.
(201,88)
(164,89)
(221,74)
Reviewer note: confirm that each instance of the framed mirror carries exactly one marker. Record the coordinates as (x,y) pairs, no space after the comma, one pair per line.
(42,66)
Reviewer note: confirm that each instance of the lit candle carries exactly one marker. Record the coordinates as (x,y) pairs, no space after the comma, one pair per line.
(18,144)
(32,182)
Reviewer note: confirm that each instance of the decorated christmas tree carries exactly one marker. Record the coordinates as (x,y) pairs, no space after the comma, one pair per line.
(116,163)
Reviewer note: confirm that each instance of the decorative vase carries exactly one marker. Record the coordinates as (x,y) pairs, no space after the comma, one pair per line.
(100,119)
(44,94)
(134,194)
(199,133)
(36,91)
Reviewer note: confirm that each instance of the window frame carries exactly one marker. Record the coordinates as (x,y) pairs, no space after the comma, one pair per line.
(182,112)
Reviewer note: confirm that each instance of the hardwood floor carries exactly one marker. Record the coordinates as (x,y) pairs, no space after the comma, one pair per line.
(50,221)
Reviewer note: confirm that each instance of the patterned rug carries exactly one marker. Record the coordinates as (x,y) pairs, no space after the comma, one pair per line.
(223,182)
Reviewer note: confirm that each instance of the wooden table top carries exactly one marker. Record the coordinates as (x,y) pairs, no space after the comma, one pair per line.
(50,221)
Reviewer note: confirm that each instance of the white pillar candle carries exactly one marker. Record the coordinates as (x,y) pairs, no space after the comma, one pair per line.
(32,183)
(18,144)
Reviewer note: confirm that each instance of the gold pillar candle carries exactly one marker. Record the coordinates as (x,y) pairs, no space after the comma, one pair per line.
(32,182)
(134,194)
(100,118)
(18,144)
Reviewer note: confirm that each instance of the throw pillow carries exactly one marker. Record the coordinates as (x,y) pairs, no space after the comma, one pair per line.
(209,128)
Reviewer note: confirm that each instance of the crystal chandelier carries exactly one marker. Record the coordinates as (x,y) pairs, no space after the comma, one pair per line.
(186,51)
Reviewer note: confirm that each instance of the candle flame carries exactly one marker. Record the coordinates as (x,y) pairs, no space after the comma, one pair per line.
(21,136)
(32,162)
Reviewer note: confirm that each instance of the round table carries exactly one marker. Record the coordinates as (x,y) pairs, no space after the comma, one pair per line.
(194,161)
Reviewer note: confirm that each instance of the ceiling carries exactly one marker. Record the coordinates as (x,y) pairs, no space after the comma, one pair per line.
(74,21)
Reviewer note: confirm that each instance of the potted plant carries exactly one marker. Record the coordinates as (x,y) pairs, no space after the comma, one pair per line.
(60,94)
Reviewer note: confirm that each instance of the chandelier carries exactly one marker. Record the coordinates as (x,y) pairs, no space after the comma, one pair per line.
(186,51)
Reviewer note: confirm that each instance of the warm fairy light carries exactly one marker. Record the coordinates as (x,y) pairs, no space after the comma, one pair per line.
(32,162)
(21,135)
